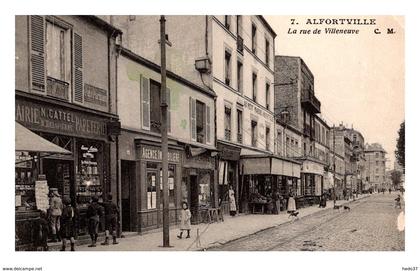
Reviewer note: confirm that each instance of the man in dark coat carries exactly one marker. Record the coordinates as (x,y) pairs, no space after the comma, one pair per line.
(94,212)
(69,219)
(111,220)
(41,231)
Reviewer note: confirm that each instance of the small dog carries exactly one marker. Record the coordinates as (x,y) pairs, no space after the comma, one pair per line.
(337,207)
(293,214)
(347,208)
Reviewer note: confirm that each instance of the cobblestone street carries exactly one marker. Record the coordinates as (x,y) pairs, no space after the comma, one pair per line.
(370,225)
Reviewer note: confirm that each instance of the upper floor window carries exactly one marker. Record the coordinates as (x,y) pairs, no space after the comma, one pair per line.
(228,67)
(200,121)
(239,25)
(58,52)
(228,123)
(254,133)
(267,51)
(155,116)
(239,70)
(254,87)
(254,38)
(377,154)
(267,138)
(239,125)
(227,21)
(267,95)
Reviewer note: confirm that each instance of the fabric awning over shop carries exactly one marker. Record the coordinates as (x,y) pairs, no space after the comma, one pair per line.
(25,140)
(270,165)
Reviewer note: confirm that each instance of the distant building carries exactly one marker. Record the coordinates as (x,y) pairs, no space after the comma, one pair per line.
(375,165)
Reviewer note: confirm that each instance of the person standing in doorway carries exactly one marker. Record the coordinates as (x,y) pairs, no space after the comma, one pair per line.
(232,202)
(185,218)
(94,212)
(111,220)
(69,220)
(55,210)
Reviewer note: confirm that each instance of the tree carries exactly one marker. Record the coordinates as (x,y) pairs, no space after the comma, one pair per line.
(400,150)
(396,177)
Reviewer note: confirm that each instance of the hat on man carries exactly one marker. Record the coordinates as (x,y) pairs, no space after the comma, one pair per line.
(55,192)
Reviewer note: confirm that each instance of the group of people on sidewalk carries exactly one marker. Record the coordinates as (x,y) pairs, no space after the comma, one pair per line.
(62,221)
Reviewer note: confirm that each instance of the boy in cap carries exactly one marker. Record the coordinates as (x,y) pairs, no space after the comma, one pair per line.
(111,220)
(94,212)
(68,223)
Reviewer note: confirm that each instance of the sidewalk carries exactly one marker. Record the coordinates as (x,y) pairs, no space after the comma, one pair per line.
(210,234)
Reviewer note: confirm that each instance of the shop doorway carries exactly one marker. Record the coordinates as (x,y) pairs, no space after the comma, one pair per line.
(127,178)
(59,174)
(193,195)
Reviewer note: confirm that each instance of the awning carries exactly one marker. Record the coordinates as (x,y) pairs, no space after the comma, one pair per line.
(27,141)
(271,165)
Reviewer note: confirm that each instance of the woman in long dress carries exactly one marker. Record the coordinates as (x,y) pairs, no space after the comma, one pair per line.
(232,202)
(291,204)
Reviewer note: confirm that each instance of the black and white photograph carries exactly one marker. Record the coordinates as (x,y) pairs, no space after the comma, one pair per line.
(204,134)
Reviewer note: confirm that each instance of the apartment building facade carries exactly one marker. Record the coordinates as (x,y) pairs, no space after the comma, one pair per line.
(375,165)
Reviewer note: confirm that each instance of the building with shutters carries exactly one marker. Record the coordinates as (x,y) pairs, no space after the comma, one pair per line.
(233,57)
(65,90)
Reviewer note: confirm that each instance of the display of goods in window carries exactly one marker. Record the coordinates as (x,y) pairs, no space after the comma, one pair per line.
(41,194)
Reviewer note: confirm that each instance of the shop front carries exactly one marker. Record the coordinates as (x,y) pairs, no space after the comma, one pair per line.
(199,188)
(228,176)
(267,182)
(146,188)
(86,170)
(312,183)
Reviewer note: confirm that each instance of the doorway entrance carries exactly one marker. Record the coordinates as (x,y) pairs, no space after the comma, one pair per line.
(59,174)
(127,206)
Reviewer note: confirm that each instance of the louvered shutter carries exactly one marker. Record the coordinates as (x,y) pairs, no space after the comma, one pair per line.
(145,102)
(208,124)
(193,119)
(78,67)
(38,73)
(168,101)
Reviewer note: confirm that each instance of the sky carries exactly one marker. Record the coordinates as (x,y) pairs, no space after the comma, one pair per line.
(359,78)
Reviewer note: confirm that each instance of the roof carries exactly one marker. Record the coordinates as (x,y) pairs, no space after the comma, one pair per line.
(374,147)
(104,24)
(266,24)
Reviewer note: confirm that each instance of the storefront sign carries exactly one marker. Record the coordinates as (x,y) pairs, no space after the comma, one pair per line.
(95,96)
(59,120)
(229,152)
(202,161)
(259,111)
(155,153)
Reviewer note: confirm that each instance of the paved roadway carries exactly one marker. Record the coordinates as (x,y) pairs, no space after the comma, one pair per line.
(370,225)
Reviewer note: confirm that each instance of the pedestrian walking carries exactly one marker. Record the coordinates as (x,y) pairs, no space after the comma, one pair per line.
(111,220)
(389,190)
(185,218)
(41,232)
(398,202)
(94,212)
(55,210)
(291,204)
(69,221)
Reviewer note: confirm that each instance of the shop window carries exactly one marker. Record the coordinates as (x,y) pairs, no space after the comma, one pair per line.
(151,189)
(204,193)
(254,133)
(89,175)
(171,185)
(24,181)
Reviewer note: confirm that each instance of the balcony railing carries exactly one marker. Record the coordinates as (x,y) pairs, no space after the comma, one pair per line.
(227,134)
(308,99)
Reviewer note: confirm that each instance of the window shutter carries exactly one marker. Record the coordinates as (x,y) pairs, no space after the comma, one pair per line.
(193,120)
(38,73)
(145,102)
(78,67)
(208,124)
(168,101)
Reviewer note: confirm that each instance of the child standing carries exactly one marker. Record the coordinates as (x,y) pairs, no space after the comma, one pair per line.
(68,224)
(185,218)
